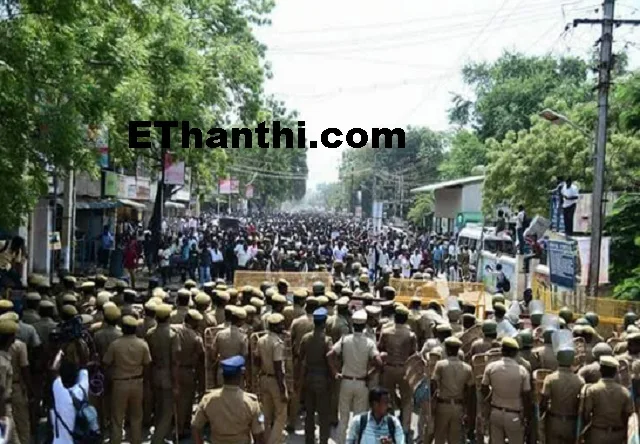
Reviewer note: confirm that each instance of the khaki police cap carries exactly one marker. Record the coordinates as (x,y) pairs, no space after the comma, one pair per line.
(129,321)
(120,284)
(300,293)
(275,318)
(278,298)
(202,299)
(250,309)
(452,340)
(8,327)
(257,302)
(416,299)
(363,278)
(190,283)
(373,310)
(367,296)
(47,304)
(69,299)
(359,317)
(158,292)
(223,295)
(6,304)
(102,298)
(195,315)
(322,301)
(69,310)
(346,292)
(283,282)
(151,305)
(240,312)
(88,285)
(163,311)
(232,292)
(209,285)
(442,328)
(184,293)
(221,287)
(87,319)
(70,279)
(111,312)
(101,278)
(33,296)
(247,289)
(157,301)
(331,296)
(270,292)
(342,302)
(10,316)
(609,361)
(130,292)
(510,343)
(402,310)
(312,300)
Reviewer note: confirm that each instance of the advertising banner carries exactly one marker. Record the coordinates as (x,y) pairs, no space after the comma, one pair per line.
(228,186)
(562,263)
(111,184)
(173,172)
(584,250)
(249,192)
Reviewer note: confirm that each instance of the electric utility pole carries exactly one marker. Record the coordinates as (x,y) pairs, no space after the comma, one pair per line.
(604,81)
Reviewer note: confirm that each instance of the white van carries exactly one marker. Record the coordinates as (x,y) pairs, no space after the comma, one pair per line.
(471,235)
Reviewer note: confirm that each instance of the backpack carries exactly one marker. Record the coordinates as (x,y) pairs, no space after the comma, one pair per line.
(364,418)
(87,427)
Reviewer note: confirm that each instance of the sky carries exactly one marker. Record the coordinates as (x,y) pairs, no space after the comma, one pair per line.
(382,63)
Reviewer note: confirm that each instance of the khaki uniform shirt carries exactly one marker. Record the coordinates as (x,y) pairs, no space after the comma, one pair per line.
(19,359)
(452,376)
(562,388)
(164,345)
(6,373)
(508,380)
(229,342)
(544,357)
(147,324)
(338,328)
(233,414)
(104,337)
(30,316)
(178,315)
(479,346)
(300,327)
(607,402)
(208,321)
(28,334)
(314,347)
(127,355)
(191,347)
(270,348)
(356,351)
(399,342)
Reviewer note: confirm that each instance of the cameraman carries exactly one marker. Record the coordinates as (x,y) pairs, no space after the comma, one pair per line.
(68,336)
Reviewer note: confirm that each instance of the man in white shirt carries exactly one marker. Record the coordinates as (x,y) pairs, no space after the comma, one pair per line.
(63,414)
(339,252)
(520,228)
(570,195)
(416,261)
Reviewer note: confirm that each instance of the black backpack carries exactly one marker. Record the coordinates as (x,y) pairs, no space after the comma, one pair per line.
(87,427)
(364,418)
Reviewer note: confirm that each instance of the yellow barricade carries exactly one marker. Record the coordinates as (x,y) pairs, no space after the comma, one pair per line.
(469,292)
(295,280)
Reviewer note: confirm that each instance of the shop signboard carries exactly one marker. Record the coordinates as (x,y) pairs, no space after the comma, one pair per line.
(111,184)
(562,263)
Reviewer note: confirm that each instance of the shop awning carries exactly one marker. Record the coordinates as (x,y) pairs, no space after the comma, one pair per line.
(96,204)
(133,204)
(171,204)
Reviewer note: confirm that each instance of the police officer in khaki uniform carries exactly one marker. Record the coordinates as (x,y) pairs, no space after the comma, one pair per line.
(278,303)
(221,299)
(231,341)
(560,399)
(177,317)
(270,356)
(487,342)
(508,386)
(399,343)
(8,330)
(234,415)
(127,358)
(299,299)
(202,302)
(21,384)
(356,352)
(607,406)
(338,326)
(164,345)
(190,357)
(453,385)
(102,340)
(544,357)
(300,327)
(30,314)
(316,375)
(148,323)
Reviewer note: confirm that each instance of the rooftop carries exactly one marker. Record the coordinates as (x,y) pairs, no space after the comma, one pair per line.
(448,184)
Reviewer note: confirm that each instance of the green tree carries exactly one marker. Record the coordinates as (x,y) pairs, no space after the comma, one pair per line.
(422,206)
(465,153)
(508,91)
(623,226)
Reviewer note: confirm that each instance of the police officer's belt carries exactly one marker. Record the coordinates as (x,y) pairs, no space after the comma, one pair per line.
(563,417)
(504,409)
(450,401)
(128,379)
(353,378)
(609,429)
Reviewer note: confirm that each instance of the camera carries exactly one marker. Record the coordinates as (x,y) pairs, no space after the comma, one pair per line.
(68,331)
